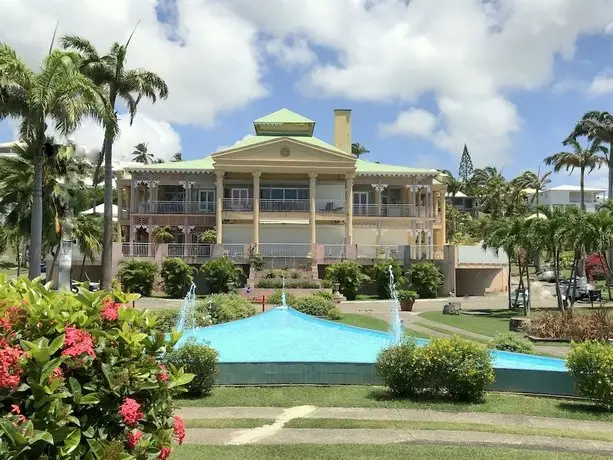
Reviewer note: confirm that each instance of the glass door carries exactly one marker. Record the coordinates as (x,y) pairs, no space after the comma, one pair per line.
(206,200)
(360,203)
(240,199)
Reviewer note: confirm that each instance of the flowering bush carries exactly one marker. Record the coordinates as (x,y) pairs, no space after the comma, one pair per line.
(81,376)
(595,268)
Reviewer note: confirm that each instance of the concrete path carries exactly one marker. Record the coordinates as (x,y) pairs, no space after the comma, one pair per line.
(275,433)
(356,413)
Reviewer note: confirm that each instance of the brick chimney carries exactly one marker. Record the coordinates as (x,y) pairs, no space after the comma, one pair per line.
(342,130)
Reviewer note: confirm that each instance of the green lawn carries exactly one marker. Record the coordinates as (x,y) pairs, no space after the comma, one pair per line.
(365,452)
(492,323)
(227,422)
(330,423)
(378,324)
(368,396)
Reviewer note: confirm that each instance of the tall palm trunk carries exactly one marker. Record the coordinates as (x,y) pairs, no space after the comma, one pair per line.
(528,301)
(107,236)
(36,225)
(581,262)
(610,197)
(509,281)
(556,274)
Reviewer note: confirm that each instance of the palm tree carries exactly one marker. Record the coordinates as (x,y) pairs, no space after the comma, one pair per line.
(597,126)
(492,189)
(141,155)
(59,94)
(585,158)
(163,234)
(535,181)
(454,186)
(178,156)
(358,149)
(87,231)
(499,237)
(118,82)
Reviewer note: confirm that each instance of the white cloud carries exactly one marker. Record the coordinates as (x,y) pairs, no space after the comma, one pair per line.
(601,84)
(244,138)
(292,52)
(569,85)
(412,122)
(466,54)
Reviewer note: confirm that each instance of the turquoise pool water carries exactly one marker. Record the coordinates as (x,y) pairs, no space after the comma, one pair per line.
(286,335)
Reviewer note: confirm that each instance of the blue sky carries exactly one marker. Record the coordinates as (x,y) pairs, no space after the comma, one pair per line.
(510,78)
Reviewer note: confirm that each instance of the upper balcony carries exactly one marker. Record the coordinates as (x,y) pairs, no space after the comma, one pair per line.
(323,206)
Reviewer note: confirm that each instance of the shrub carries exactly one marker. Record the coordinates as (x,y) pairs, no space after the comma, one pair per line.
(349,276)
(426,279)
(324,294)
(166,319)
(381,275)
(197,359)
(209,237)
(220,272)
(596,325)
(457,368)
(512,342)
(317,306)
(177,276)
(274,283)
(137,276)
(256,260)
(405,294)
(595,267)
(591,363)
(163,234)
(275,298)
(223,308)
(326,283)
(88,382)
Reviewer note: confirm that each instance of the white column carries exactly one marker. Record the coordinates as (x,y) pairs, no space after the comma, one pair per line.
(414,192)
(313,209)
(349,209)
(256,209)
(133,197)
(219,206)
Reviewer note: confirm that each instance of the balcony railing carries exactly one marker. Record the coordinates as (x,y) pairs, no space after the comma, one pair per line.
(240,205)
(284,205)
(379,252)
(392,210)
(189,250)
(291,250)
(175,207)
(137,249)
(330,206)
(334,251)
(425,252)
(234,251)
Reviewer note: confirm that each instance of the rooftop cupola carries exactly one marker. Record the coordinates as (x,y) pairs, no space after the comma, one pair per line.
(284,122)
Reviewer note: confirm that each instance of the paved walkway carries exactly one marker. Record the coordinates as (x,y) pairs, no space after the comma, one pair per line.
(275,433)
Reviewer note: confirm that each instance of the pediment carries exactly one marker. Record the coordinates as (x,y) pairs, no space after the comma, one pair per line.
(284,153)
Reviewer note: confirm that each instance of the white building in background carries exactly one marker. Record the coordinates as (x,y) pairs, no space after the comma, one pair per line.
(564,196)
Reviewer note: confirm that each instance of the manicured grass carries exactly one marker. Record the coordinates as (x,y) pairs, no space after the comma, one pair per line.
(371,396)
(492,323)
(367,297)
(227,422)
(448,332)
(365,452)
(329,423)
(370,322)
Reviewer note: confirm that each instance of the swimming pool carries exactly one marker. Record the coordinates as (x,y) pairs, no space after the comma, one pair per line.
(284,335)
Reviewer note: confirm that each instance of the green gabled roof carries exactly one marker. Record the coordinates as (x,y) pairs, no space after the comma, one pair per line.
(203,164)
(369,167)
(283,116)
(310,140)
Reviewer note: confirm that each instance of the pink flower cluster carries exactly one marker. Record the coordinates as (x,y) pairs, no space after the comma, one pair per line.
(57,374)
(179,429)
(163,375)
(10,368)
(134,438)
(78,342)
(164,453)
(110,310)
(130,412)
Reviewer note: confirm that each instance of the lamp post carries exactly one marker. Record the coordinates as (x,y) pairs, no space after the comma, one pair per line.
(65,255)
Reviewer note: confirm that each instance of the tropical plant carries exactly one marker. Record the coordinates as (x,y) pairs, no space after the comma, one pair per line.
(591,364)
(178,156)
(512,342)
(87,231)
(137,276)
(163,234)
(58,95)
(349,276)
(407,294)
(199,360)
(358,149)
(426,279)
(534,181)
(454,186)
(586,159)
(223,308)
(109,72)
(208,236)
(220,273)
(82,376)
(276,298)
(256,260)
(141,154)
(178,277)
(317,306)
(381,275)
(492,189)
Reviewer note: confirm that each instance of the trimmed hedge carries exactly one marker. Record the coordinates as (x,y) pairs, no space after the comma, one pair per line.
(277,283)
(457,368)
(223,308)
(197,359)
(178,277)
(137,276)
(317,306)
(591,363)
(275,298)
(511,342)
